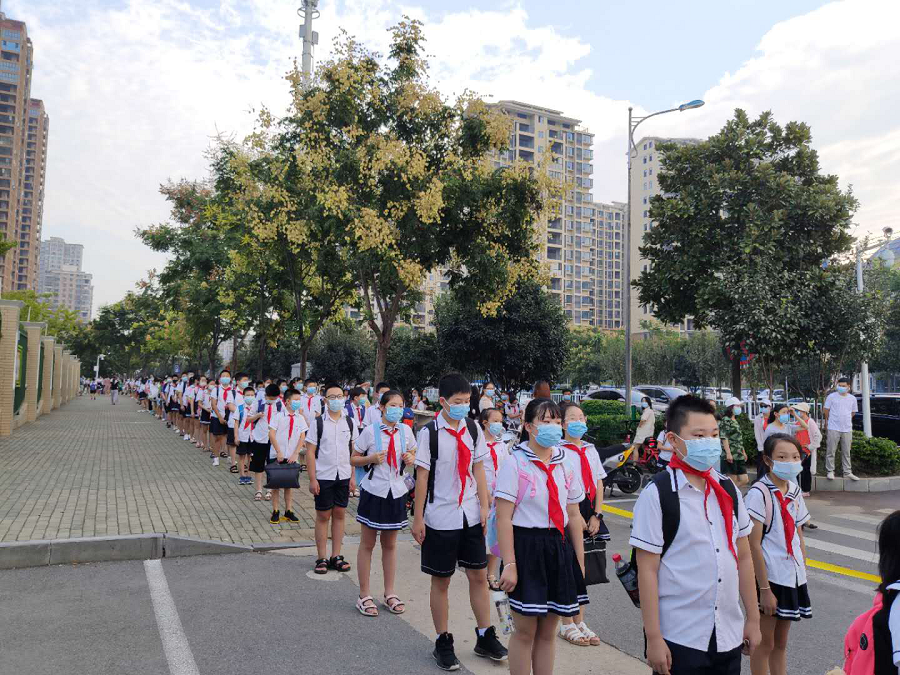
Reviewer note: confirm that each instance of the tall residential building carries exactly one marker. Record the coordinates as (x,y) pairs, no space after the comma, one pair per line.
(644,185)
(23,151)
(62,277)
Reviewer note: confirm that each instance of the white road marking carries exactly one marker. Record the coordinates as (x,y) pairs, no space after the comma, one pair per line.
(886,512)
(171,632)
(849,532)
(859,518)
(840,582)
(846,551)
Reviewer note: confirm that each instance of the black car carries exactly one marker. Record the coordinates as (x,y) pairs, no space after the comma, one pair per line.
(885,416)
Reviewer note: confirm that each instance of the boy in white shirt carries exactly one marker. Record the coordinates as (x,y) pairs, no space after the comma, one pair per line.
(373,412)
(269,408)
(313,404)
(691,584)
(329,444)
(287,434)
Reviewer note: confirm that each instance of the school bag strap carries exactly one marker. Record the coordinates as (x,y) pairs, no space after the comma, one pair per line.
(433,450)
(768,506)
(378,444)
(320,426)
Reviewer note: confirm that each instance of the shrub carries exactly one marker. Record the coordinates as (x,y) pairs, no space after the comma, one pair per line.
(594,407)
(606,429)
(746,425)
(874,456)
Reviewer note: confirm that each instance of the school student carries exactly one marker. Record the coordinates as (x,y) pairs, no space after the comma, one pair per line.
(373,412)
(779,551)
(382,451)
(541,572)
(222,404)
(450,476)
(313,404)
(328,447)
(585,463)
(691,602)
(355,409)
(243,381)
(287,433)
(246,418)
(202,408)
(269,408)
(491,421)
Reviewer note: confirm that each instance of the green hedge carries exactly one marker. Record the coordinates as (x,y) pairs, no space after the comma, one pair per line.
(870,456)
(592,407)
(746,425)
(606,429)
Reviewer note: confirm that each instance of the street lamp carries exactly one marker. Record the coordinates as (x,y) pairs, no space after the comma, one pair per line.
(887,255)
(633,123)
(100,357)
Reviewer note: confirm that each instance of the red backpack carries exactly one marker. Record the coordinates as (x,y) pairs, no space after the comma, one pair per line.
(859,642)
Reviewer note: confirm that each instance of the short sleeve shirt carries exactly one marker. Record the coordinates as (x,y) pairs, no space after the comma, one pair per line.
(730,430)
(335,446)
(841,408)
(288,434)
(381,479)
(782,569)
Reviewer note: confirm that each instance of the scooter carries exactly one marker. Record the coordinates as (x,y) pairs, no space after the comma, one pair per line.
(620,473)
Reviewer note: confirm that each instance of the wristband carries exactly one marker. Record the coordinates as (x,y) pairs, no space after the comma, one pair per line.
(765,588)
(507,564)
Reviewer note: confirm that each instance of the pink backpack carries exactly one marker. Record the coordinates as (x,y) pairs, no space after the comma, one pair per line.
(859,642)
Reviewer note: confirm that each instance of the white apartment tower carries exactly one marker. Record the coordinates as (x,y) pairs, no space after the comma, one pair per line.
(62,277)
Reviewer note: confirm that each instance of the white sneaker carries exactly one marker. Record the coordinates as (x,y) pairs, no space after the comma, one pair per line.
(215,461)
(851,476)
(187,437)
(830,475)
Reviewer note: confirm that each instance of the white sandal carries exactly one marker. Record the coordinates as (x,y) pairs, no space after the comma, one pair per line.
(363,607)
(589,634)
(571,634)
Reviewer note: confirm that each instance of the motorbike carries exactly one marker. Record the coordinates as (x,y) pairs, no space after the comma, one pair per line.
(620,472)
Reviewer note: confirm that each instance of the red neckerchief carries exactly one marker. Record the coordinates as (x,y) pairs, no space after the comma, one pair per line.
(554,509)
(787,520)
(493,447)
(392,450)
(463,456)
(291,427)
(309,403)
(712,485)
(359,413)
(587,476)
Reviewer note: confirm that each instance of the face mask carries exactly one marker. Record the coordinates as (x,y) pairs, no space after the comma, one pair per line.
(702,453)
(184,379)
(311,390)
(787,470)
(784,418)
(489,393)
(393,414)
(765,411)
(203,385)
(296,405)
(644,404)
(842,389)
(225,379)
(567,397)
(249,400)
(283,388)
(576,429)
(335,405)
(457,412)
(548,435)
(244,383)
(505,397)
(737,410)
(496,428)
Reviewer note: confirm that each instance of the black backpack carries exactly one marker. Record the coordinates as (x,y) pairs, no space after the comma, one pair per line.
(320,425)
(433,448)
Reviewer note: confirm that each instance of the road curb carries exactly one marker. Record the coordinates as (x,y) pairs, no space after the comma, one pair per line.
(839,484)
(45,552)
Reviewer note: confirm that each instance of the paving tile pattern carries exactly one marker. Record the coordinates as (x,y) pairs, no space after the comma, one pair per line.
(93,469)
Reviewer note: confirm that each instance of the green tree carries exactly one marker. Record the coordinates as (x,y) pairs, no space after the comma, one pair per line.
(414,360)
(342,354)
(742,226)
(61,321)
(524,341)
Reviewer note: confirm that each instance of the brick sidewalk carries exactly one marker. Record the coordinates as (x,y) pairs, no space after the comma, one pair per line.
(93,469)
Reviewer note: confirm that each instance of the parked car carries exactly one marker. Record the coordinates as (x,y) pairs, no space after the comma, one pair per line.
(660,396)
(885,410)
(612,394)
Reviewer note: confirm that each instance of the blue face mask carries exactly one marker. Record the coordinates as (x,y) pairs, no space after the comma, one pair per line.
(457,412)
(249,400)
(496,428)
(576,429)
(225,380)
(505,397)
(393,414)
(787,470)
(283,388)
(296,405)
(548,435)
(784,418)
(311,390)
(702,453)
(842,389)
(335,404)
(737,410)
(567,397)
(489,393)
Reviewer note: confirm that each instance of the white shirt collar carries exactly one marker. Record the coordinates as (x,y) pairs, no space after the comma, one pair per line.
(555,458)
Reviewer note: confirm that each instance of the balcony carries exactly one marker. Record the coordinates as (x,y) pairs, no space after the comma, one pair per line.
(526,128)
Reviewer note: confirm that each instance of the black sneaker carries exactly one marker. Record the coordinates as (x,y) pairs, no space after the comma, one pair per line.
(275,519)
(289,515)
(443,653)
(489,646)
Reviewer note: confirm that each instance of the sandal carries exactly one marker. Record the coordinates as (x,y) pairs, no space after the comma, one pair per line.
(392,606)
(339,564)
(258,496)
(321,566)
(570,633)
(233,468)
(268,496)
(589,634)
(223,455)
(366,606)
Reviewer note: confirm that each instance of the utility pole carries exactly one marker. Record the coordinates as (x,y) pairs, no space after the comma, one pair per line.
(309,11)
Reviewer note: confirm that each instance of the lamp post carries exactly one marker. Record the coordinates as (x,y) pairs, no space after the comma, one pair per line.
(887,255)
(100,357)
(633,123)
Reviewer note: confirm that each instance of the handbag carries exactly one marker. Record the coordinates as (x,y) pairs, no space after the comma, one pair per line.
(282,476)
(594,561)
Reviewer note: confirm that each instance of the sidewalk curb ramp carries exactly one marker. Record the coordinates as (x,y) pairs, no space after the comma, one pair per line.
(45,552)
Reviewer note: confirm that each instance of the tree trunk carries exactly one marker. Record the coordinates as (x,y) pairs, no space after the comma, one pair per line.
(304,354)
(260,355)
(381,353)
(234,349)
(736,375)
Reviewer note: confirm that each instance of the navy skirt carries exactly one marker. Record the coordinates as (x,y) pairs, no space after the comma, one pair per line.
(382,513)
(549,576)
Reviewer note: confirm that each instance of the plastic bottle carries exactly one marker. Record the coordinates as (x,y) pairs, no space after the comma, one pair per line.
(501,602)
(628,576)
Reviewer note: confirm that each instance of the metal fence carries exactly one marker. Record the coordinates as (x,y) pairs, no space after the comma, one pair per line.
(21,366)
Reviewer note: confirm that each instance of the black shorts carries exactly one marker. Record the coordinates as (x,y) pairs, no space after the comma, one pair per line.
(260,457)
(443,550)
(142,394)
(687,661)
(216,428)
(332,493)
(204,417)
(229,436)
(245,448)
(736,468)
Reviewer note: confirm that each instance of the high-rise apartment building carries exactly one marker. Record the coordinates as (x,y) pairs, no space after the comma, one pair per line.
(62,277)
(24,126)
(645,185)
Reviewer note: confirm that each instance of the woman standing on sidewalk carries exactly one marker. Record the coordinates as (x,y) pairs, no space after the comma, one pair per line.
(114,390)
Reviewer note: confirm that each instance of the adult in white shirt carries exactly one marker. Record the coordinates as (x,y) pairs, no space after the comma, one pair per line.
(839,408)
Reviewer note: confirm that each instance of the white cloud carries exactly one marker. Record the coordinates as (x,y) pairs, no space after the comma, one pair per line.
(136,92)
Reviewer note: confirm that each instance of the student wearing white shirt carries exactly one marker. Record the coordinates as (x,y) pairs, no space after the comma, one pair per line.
(491,421)
(776,506)
(269,408)
(584,460)
(692,586)
(383,451)
(840,406)
(222,405)
(287,434)
(313,404)
(231,441)
(373,412)
(328,447)
(247,416)
(541,573)
(451,529)
(201,408)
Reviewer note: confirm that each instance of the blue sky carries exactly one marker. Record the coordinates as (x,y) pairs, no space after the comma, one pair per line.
(137,89)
